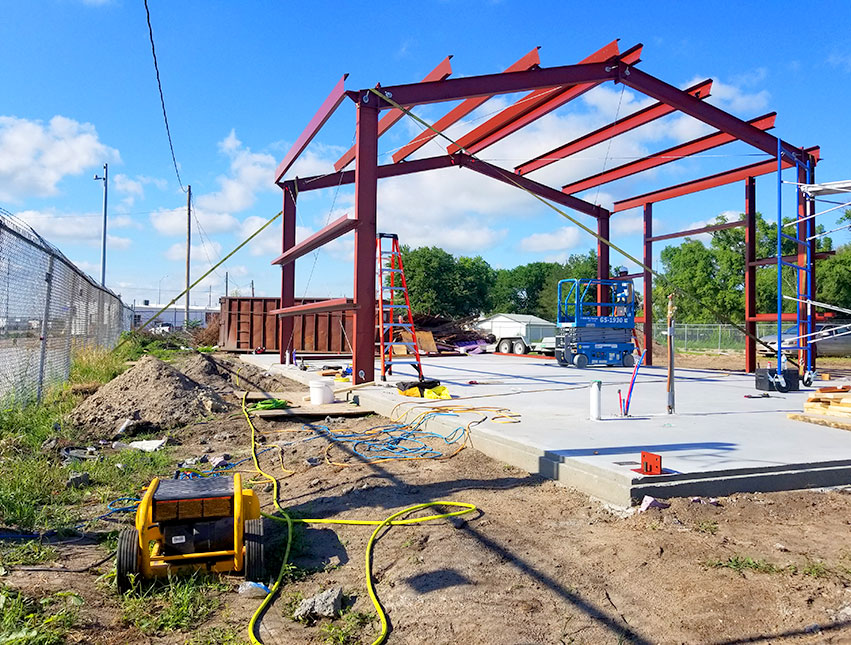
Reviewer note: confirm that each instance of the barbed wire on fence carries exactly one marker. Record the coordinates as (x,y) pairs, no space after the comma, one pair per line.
(49,309)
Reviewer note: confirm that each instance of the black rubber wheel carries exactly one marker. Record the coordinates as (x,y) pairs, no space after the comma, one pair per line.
(560,358)
(127,559)
(628,360)
(781,388)
(504,347)
(808,379)
(581,361)
(255,563)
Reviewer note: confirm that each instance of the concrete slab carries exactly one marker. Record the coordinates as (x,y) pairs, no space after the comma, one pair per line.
(718,442)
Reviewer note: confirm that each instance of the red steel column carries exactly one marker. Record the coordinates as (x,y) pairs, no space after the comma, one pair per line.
(366,187)
(750,274)
(648,283)
(603,268)
(286,323)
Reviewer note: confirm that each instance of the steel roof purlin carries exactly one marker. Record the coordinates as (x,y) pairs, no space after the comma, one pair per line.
(631,56)
(625,124)
(702,144)
(461,110)
(712,181)
(499,125)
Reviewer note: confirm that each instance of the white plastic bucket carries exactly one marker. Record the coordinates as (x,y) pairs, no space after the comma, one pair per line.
(321,392)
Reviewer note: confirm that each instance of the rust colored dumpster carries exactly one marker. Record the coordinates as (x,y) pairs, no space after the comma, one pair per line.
(245,324)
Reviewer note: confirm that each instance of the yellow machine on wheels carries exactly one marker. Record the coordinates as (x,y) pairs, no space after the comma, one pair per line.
(208,524)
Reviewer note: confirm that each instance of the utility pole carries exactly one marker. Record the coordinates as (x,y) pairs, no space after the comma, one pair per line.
(105,180)
(210,297)
(252,288)
(188,243)
(226,284)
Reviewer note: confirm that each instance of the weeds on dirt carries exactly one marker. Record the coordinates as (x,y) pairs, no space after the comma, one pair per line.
(816,569)
(709,527)
(348,630)
(741,564)
(176,603)
(25,553)
(96,365)
(37,622)
(290,602)
(217,636)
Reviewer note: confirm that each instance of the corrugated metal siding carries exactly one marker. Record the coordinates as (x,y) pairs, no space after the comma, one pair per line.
(246,325)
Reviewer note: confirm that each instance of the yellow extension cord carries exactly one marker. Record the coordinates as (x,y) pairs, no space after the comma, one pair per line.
(378,524)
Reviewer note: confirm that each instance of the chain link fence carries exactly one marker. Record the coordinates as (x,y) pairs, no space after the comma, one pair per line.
(708,337)
(48,310)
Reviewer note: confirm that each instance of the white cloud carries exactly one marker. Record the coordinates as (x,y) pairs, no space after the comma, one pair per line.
(35,157)
(123,184)
(627,224)
(562,239)
(249,173)
(199,253)
(173,221)
(75,228)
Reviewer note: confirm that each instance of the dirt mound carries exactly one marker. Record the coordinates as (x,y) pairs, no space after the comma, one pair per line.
(225,375)
(151,392)
(205,370)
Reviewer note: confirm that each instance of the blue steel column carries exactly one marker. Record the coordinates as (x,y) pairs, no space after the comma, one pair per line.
(779,256)
(366,187)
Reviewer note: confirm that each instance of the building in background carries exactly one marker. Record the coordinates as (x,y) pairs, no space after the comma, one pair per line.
(174,315)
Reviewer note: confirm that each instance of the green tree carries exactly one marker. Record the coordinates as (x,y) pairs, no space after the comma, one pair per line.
(517,290)
(581,266)
(442,285)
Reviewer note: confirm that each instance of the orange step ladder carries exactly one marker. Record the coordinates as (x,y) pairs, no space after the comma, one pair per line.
(393,315)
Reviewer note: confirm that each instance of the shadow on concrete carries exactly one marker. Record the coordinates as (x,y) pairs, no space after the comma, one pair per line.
(637,449)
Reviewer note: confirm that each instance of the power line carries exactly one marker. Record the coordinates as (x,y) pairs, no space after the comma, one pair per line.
(162,98)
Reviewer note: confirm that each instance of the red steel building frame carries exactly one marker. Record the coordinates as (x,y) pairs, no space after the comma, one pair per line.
(548,88)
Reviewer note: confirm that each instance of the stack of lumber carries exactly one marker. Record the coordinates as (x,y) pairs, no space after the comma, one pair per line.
(829,406)
(831,401)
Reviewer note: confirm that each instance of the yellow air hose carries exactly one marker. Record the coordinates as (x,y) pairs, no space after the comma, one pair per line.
(378,524)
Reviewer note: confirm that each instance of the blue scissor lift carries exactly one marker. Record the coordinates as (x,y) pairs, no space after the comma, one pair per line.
(596,322)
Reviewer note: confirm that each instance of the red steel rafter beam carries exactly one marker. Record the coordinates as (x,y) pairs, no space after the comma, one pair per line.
(387,170)
(439,73)
(322,115)
(334,230)
(634,120)
(702,111)
(453,89)
(491,130)
(713,181)
(630,56)
(508,177)
(689,148)
(461,110)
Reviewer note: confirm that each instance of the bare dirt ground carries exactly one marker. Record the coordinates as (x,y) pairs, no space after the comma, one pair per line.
(538,563)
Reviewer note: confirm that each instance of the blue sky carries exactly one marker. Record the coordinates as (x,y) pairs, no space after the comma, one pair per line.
(241,80)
